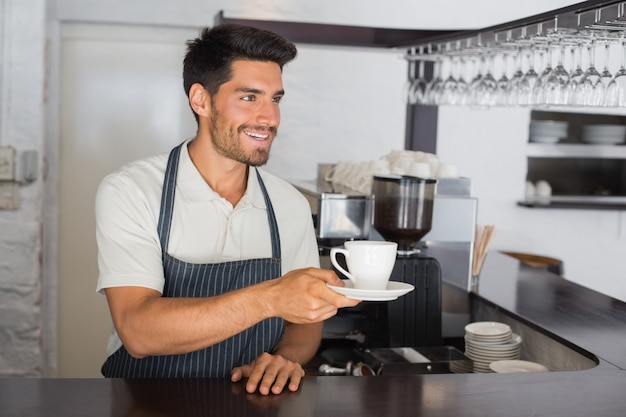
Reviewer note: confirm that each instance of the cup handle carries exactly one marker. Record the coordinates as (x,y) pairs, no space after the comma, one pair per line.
(333,260)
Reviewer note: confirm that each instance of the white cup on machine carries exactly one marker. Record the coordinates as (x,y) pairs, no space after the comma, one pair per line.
(370,262)
(447,170)
(420,169)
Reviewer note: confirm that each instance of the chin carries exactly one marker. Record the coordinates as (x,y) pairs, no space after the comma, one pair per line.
(259,157)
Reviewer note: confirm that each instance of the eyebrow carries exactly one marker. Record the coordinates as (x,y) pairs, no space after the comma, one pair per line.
(257,91)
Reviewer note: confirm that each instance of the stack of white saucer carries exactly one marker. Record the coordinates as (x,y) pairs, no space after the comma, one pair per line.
(547,131)
(490,341)
(603,134)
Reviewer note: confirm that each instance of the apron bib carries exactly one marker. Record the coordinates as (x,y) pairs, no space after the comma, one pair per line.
(184,279)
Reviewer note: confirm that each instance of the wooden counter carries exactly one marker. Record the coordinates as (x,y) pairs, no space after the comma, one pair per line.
(580,317)
(585,394)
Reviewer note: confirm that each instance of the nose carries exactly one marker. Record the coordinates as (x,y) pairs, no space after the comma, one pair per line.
(269,114)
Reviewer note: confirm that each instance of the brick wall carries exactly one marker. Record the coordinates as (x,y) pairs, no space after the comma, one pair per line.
(21,126)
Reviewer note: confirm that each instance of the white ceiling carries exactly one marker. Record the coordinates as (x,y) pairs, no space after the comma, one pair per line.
(410,14)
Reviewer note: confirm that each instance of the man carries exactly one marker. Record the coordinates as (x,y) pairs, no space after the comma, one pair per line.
(209,264)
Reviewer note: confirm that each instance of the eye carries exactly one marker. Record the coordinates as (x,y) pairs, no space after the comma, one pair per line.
(248,98)
(277,99)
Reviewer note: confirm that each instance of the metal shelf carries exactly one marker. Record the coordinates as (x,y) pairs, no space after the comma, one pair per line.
(566,150)
(576,202)
(599,16)
(341,35)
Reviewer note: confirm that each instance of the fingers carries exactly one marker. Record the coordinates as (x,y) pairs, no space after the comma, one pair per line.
(290,379)
(340,301)
(329,277)
(349,302)
(270,374)
(303,296)
(337,300)
(238,373)
(332,301)
(295,380)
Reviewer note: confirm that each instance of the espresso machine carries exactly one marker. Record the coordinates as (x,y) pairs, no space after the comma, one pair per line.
(403,211)
(433,222)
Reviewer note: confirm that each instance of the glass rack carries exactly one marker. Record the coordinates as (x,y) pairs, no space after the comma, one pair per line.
(571,57)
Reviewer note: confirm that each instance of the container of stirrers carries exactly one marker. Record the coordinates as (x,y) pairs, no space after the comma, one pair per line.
(482,240)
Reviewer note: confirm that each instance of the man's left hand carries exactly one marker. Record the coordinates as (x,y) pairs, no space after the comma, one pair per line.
(270,374)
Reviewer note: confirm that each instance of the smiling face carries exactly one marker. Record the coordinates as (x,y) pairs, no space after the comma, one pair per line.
(245,112)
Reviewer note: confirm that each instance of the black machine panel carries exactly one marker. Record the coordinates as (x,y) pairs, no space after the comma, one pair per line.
(413,320)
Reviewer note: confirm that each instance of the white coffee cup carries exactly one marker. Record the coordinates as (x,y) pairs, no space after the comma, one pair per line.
(447,170)
(370,262)
(420,169)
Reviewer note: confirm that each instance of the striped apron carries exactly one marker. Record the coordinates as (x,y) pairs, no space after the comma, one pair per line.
(184,279)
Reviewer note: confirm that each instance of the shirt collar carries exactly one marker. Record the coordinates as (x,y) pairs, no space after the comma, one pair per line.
(193,187)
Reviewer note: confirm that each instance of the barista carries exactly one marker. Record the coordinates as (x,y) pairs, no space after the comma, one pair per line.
(210,264)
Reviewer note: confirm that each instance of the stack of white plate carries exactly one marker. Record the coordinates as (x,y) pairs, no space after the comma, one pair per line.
(603,134)
(490,341)
(547,131)
(461,367)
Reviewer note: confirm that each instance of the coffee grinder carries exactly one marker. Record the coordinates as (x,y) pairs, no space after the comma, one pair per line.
(403,212)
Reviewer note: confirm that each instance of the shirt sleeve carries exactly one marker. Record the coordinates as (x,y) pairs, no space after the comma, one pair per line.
(129,251)
(297,233)
(308,253)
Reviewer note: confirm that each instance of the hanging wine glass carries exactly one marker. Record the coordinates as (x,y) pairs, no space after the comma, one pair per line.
(527,84)
(516,79)
(433,89)
(411,77)
(556,87)
(483,86)
(486,93)
(417,93)
(480,65)
(605,75)
(545,59)
(503,85)
(461,84)
(501,55)
(448,88)
(577,72)
(589,86)
(616,90)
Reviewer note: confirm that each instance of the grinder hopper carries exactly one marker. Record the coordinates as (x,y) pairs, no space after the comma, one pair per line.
(403,209)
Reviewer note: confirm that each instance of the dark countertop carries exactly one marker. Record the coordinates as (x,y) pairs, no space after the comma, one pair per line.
(582,318)
(576,315)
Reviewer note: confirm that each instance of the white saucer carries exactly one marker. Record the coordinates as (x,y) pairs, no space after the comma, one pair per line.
(488,329)
(514,341)
(513,366)
(394,290)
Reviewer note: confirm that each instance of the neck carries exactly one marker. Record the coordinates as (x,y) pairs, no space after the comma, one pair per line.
(226,177)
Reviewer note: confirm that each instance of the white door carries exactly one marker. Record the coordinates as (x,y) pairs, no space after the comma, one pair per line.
(121,99)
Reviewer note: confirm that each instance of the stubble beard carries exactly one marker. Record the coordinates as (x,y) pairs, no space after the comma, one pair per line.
(227,143)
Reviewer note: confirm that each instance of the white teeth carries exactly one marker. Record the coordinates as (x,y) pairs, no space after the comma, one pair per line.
(257,135)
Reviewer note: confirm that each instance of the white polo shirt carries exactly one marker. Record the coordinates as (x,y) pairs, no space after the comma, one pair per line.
(205,227)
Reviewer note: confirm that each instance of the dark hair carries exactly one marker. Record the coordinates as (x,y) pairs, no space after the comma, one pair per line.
(209,57)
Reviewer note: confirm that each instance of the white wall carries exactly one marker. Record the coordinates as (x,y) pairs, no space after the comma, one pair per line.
(130,78)
(490,147)
(341,103)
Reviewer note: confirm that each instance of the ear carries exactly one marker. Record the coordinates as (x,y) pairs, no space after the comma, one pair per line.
(200,100)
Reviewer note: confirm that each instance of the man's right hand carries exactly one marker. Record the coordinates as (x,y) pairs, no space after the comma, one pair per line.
(302,296)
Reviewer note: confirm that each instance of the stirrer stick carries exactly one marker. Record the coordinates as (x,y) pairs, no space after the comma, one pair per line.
(483,238)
